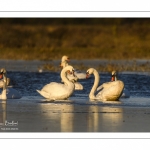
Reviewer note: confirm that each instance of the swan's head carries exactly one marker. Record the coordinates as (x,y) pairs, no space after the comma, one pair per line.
(89,72)
(2,72)
(113,73)
(113,76)
(65,58)
(69,69)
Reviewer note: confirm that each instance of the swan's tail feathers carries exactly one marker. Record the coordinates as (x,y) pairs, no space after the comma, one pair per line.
(43,93)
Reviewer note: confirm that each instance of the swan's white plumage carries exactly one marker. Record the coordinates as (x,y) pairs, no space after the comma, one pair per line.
(79,74)
(125,93)
(73,78)
(59,91)
(110,91)
(78,86)
(2,82)
(8,92)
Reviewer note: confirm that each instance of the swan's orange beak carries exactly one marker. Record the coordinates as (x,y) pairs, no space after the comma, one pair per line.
(112,78)
(1,76)
(87,75)
(71,72)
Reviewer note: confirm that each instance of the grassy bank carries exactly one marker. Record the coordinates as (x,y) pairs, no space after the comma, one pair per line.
(116,40)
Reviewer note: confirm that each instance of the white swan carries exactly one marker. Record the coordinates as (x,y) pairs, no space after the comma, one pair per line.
(8,92)
(64,63)
(125,93)
(73,78)
(65,58)
(110,91)
(78,86)
(59,91)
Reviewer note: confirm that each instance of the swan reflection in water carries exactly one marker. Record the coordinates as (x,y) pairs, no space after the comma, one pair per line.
(3,115)
(66,118)
(60,116)
(72,118)
(104,119)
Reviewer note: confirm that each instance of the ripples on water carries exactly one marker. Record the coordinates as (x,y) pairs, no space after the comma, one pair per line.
(138,85)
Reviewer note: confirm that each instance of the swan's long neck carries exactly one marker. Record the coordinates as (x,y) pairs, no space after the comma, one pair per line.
(96,82)
(115,78)
(64,64)
(3,95)
(64,77)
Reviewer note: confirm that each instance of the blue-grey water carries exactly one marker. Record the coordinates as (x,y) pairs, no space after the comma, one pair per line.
(32,113)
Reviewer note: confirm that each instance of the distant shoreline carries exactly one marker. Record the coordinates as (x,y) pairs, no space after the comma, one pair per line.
(100,65)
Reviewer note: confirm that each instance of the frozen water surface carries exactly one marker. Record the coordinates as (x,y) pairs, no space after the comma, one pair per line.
(32,113)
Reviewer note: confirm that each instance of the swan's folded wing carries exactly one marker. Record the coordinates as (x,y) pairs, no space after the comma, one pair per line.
(104,86)
(100,88)
(53,87)
(111,91)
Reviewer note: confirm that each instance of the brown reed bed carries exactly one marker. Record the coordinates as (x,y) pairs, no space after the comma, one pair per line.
(118,40)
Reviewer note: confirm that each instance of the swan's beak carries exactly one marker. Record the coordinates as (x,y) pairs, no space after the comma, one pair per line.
(113,78)
(1,75)
(87,75)
(69,72)
(68,59)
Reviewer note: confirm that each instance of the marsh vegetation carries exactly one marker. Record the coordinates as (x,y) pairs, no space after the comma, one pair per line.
(80,38)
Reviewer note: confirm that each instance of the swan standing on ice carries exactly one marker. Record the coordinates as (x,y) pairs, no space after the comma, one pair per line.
(110,91)
(73,78)
(59,91)
(8,92)
(125,93)
(80,75)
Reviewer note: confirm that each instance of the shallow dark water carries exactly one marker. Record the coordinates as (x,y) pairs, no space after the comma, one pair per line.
(137,83)
(28,82)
